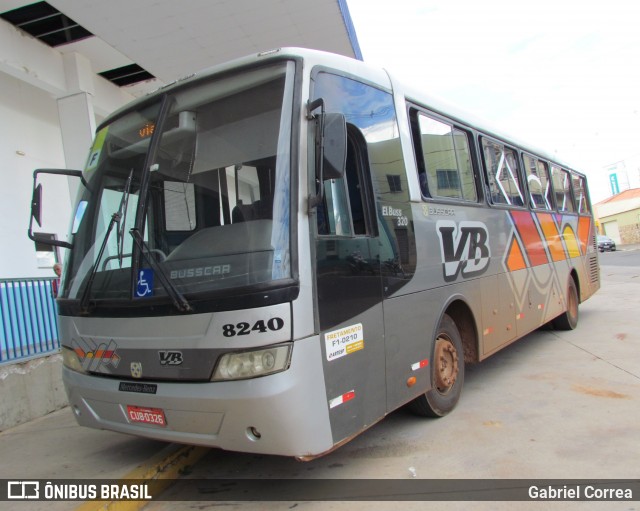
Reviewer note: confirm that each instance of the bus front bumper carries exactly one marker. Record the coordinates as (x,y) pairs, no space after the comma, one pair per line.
(285,413)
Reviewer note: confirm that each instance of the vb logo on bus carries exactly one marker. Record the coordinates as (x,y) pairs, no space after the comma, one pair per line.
(464,248)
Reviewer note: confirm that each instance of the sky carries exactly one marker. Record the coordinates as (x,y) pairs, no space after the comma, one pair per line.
(562,75)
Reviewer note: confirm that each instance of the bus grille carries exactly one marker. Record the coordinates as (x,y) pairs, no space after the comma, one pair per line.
(594,269)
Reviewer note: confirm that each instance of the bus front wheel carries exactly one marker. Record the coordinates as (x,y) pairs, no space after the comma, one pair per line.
(447,373)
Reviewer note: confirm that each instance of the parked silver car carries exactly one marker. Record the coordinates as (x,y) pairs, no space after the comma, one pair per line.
(606,243)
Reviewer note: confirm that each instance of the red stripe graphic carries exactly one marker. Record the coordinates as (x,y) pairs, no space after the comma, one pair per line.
(533,243)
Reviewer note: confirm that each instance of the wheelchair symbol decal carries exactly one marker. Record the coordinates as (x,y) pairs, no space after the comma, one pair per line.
(144,285)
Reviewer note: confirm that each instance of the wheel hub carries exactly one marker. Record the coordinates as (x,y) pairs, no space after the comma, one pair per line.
(446,362)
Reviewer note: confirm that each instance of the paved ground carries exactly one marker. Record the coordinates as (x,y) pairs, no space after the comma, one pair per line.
(552,405)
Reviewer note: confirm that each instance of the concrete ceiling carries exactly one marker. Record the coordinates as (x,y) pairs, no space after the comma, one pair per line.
(171,38)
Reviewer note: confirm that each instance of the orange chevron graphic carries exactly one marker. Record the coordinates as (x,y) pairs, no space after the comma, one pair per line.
(552,235)
(515,259)
(533,243)
(541,241)
(584,229)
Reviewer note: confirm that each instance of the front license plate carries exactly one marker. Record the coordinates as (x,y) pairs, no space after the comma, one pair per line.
(146,415)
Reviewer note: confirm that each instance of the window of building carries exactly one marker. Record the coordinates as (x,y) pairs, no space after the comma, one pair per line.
(445,169)
(501,167)
(395,185)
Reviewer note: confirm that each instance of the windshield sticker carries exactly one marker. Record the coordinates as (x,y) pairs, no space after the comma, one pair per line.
(344,341)
(96,150)
(144,286)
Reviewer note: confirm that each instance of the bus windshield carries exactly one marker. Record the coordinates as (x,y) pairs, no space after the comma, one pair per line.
(204,182)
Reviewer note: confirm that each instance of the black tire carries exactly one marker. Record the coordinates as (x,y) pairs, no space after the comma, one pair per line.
(447,373)
(568,320)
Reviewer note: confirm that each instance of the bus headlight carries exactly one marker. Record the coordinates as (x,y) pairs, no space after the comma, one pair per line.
(70,360)
(251,364)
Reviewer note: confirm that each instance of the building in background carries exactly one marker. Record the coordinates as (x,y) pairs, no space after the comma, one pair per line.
(619,216)
(623,175)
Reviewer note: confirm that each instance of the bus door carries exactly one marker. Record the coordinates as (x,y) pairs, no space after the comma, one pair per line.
(349,302)
(350,255)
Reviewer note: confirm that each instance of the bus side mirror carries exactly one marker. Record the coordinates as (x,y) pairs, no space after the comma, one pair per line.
(36,206)
(330,148)
(334,154)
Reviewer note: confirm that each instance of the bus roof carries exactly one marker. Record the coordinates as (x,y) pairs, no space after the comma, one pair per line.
(376,75)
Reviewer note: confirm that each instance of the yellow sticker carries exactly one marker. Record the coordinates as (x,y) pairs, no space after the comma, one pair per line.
(96,150)
(344,341)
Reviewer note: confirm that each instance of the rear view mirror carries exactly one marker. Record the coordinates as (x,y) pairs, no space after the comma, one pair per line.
(331,147)
(335,146)
(36,207)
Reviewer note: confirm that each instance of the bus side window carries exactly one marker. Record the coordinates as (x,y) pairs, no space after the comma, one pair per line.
(562,189)
(344,210)
(444,165)
(501,170)
(580,194)
(537,173)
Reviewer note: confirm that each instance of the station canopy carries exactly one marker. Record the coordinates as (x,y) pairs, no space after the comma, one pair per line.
(143,44)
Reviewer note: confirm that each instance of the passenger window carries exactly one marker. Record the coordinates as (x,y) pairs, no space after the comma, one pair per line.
(579,192)
(537,173)
(501,168)
(562,189)
(447,171)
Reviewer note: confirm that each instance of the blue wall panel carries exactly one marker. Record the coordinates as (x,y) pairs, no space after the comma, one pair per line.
(28,319)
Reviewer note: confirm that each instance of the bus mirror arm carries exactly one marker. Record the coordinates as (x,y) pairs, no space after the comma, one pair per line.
(330,148)
(36,206)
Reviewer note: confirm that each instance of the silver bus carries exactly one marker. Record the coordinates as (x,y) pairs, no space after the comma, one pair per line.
(273,254)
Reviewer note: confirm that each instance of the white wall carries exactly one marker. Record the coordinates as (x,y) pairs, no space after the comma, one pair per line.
(30,138)
(618,206)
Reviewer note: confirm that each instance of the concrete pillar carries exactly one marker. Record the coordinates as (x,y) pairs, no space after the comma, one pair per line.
(76,114)
(77,123)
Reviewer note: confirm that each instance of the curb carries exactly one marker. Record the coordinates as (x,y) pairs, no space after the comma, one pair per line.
(160,470)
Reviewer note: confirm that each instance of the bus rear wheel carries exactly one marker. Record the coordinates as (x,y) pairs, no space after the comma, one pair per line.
(568,320)
(447,373)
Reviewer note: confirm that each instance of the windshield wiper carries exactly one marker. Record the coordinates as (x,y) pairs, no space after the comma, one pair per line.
(122,221)
(115,219)
(178,298)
